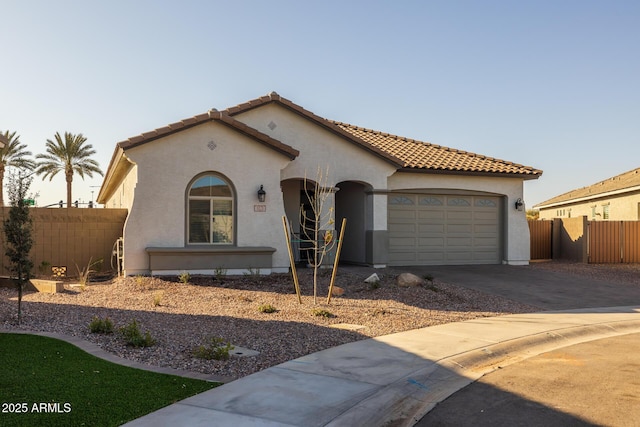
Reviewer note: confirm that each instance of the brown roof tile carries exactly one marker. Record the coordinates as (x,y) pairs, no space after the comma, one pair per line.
(418,155)
(626,180)
(212,115)
(403,153)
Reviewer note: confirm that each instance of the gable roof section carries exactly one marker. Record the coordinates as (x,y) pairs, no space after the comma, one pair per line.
(424,156)
(623,183)
(273,97)
(211,115)
(404,153)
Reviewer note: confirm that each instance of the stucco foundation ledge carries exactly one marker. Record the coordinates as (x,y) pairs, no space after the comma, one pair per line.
(516,262)
(211,258)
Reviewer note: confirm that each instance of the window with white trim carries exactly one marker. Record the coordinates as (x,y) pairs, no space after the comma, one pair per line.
(210,211)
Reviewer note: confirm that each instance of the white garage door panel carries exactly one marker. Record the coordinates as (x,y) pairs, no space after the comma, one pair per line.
(444,229)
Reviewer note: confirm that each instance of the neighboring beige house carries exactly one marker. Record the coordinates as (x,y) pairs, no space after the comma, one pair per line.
(192,187)
(616,198)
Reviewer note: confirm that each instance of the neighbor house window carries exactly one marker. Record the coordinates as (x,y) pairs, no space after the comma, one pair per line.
(210,211)
(605,212)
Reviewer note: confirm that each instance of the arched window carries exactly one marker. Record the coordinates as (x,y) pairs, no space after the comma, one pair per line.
(210,211)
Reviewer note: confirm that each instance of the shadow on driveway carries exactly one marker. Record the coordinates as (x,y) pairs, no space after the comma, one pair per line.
(549,290)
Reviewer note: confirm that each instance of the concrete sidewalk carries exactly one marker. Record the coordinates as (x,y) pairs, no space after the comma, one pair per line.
(393,379)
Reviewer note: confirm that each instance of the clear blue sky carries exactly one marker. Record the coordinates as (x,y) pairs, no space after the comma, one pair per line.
(550,84)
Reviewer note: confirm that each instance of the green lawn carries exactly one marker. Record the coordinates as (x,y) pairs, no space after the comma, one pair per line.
(57,384)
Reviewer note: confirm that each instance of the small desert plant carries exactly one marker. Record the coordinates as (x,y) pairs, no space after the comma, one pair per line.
(184,277)
(374,285)
(44,268)
(216,349)
(220,273)
(432,287)
(267,308)
(133,337)
(428,277)
(157,298)
(318,312)
(101,326)
(85,272)
(254,273)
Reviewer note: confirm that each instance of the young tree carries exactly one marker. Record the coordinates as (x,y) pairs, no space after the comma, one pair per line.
(318,223)
(70,155)
(17,230)
(13,154)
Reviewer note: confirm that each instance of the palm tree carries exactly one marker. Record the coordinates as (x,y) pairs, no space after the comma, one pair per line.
(70,155)
(13,154)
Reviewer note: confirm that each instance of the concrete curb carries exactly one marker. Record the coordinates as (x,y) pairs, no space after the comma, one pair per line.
(429,386)
(393,380)
(474,364)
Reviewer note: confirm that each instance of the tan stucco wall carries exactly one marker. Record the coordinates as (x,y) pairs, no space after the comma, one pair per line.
(318,148)
(516,232)
(165,169)
(625,207)
(122,198)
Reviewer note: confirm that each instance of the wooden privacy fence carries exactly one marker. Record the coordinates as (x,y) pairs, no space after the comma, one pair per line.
(540,232)
(596,242)
(614,242)
(66,237)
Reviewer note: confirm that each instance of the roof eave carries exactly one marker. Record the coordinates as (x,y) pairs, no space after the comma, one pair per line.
(525,176)
(547,205)
(117,171)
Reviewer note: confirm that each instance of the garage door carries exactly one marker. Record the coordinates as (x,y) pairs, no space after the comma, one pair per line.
(436,229)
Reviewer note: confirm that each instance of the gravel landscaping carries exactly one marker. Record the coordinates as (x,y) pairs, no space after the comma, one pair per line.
(182,316)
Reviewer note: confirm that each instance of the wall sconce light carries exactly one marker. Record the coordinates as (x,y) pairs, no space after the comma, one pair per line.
(519,204)
(261,194)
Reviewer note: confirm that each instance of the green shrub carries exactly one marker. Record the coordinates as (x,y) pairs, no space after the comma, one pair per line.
(133,337)
(318,312)
(267,308)
(216,349)
(101,326)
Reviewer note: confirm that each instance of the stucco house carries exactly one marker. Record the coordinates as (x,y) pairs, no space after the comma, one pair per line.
(192,191)
(616,198)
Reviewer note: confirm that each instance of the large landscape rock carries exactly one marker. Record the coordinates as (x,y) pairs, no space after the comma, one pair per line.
(408,280)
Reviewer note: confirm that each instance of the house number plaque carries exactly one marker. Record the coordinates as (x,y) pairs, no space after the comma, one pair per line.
(259,208)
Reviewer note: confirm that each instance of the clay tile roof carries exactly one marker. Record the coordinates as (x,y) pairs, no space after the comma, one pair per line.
(619,183)
(273,97)
(211,115)
(403,153)
(430,157)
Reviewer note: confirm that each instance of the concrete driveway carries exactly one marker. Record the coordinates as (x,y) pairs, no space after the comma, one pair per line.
(549,290)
